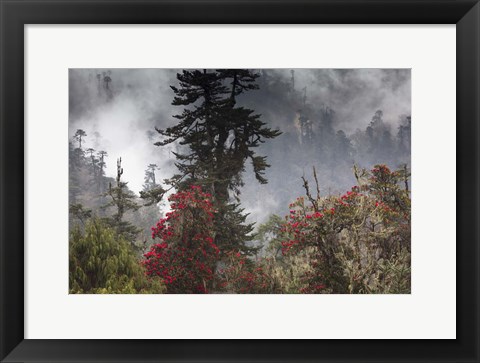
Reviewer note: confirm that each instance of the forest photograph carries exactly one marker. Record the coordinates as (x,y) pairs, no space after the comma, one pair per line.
(239,181)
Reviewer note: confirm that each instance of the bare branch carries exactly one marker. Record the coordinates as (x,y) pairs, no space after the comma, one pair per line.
(309,195)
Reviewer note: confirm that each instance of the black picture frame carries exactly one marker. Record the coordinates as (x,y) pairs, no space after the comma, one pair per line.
(15,14)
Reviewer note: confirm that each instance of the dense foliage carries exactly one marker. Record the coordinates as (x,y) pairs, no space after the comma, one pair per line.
(186,256)
(220,136)
(356,242)
(102,262)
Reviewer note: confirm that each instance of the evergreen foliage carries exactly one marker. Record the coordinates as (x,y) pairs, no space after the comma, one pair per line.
(79,136)
(220,137)
(102,262)
(123,200)
(152,192)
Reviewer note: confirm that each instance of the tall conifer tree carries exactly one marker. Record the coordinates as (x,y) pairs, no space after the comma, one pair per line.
(123,200)
(220,136)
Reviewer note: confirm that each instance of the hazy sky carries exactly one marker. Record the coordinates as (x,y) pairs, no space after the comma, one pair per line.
(118,120)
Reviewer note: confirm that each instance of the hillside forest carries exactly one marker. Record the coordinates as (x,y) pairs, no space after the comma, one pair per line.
(239,181)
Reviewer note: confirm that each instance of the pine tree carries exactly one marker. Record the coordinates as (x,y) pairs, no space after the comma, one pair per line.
(123,200)
(150,180)
(220,136)
(152,192)
(381,144)
(75,161)
(246,130)
(79,135)
(101,173)
(101,157)
(93,163)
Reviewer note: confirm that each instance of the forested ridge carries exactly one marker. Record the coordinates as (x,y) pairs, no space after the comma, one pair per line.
(187,231)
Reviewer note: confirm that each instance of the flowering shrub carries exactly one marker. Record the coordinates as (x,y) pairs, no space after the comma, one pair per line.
(186,255)
(359,242)
(383,184)
(243,276)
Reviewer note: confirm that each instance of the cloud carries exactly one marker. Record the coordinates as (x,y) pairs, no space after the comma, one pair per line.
(120,119)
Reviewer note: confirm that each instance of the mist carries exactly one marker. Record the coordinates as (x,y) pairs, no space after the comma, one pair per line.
(120,115)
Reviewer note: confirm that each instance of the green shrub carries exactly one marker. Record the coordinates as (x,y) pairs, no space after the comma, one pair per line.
(101,262)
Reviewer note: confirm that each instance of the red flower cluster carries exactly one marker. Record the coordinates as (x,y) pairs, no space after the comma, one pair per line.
(243,276)
(186,256)
(311,225)
(304,220)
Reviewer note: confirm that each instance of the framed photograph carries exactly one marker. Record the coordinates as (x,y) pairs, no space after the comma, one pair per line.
(199,181)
